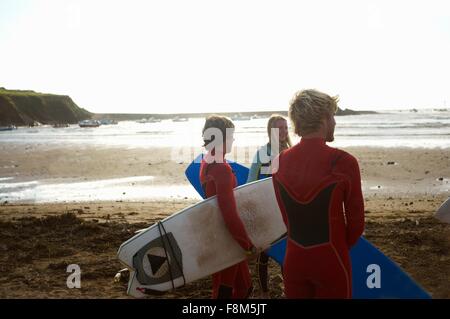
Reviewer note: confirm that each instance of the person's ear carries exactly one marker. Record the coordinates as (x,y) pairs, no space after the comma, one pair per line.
(329,119)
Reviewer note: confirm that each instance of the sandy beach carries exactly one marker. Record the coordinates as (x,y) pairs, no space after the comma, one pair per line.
(402,190)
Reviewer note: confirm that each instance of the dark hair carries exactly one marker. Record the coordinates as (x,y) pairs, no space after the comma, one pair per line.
(218,122)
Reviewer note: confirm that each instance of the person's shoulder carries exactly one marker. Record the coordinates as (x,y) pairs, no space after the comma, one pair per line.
(264,148)
(261,152)
(279,161)
(343,156)
(220,168)
(289,151)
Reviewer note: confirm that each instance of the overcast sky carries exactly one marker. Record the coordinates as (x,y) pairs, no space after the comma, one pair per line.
(210,56)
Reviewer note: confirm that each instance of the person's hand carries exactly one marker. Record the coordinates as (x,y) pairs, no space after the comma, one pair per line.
(253,253)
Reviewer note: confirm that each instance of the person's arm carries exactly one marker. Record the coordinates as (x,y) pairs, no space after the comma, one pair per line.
(276,183)
(354,201)
(255,169)
(223,179)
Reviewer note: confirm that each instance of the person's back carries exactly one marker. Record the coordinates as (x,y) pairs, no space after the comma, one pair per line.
(308,168)
(318,189)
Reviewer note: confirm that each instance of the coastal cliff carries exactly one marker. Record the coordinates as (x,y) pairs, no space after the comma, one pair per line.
(24,108)
(28,107)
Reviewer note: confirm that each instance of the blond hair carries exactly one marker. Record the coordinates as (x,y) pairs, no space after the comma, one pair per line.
(308,108)
(219,122)
(271,124)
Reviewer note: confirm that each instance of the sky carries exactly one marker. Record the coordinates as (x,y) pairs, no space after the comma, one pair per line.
(215,56)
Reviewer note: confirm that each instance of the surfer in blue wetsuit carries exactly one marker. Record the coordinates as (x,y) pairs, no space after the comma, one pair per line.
(279,141)
(217,178)
(262,160)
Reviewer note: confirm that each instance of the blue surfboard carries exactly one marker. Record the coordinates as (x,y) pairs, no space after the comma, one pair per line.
(193,173)
(394,282)
(366,258)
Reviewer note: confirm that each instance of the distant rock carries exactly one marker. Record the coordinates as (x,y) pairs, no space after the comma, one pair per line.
(26,108)
(352,112)
(143,118)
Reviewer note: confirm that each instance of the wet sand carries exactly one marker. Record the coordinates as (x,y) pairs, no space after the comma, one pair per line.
(38,241)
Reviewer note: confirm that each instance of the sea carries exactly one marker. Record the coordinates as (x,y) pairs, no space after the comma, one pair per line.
(404,128)
(388,129)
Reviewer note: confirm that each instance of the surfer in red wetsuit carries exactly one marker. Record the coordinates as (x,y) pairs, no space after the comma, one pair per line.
(318,189)
(217,178)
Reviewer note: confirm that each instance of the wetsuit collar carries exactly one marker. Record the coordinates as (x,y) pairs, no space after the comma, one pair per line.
(210,156)
(312,141)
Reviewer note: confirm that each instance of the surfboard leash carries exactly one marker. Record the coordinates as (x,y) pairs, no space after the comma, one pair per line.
(165,252)
(172,253)
(180,268)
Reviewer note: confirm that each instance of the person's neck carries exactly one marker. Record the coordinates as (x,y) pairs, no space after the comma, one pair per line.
(217,156)
(318,134)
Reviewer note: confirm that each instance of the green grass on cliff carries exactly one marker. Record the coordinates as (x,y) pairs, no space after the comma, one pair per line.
(24,107)
(22,92)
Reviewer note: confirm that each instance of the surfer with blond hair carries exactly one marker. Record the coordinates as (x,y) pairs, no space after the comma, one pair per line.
(318,189)
(217,178)
(279,140)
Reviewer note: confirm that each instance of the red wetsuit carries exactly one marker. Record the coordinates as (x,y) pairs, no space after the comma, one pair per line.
(218,179)
(318,189)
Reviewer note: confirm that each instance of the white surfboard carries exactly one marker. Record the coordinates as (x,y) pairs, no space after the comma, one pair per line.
(443,213)
(195,243)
